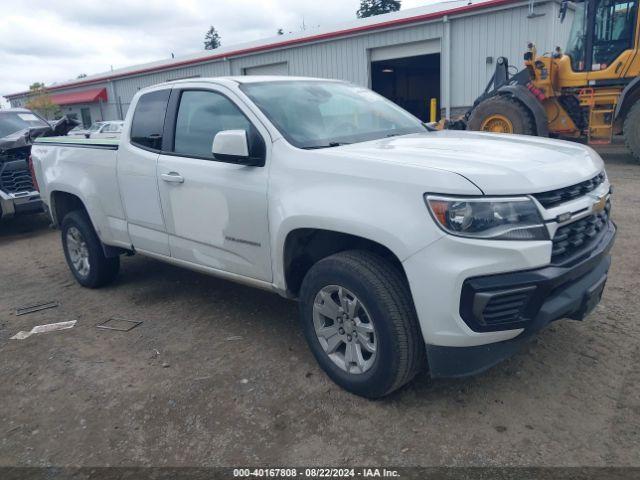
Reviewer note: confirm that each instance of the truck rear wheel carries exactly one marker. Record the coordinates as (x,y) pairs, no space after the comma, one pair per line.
(360,323)
(631,130)
(84,254)
(502,114)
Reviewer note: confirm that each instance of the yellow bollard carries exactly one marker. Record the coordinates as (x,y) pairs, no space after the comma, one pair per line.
(432,110)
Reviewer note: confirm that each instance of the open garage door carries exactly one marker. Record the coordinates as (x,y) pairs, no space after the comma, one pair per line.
(271,69)
(408,75)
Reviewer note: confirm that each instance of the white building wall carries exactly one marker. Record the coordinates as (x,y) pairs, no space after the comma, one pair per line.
(504,31)
(466,41)
(501,33)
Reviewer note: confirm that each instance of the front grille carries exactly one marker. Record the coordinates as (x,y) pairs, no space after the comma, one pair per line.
(578,236)
(561,195)
(506,307)
(15,177)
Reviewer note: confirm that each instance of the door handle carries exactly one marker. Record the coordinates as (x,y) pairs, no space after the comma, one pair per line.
(172,177)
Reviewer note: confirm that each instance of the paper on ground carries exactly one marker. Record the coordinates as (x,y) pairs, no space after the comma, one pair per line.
(50,327)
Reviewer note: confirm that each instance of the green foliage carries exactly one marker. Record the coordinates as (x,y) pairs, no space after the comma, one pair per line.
(370,8)
(211,39)
(39,101)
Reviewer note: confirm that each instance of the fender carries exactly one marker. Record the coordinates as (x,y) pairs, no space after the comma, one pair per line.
(532,103)
(628,96)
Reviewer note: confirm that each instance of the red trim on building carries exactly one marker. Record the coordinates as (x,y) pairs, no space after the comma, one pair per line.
(286,43)
(83,96)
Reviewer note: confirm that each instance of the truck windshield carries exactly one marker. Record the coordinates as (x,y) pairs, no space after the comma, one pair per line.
(12,122)
(316,114)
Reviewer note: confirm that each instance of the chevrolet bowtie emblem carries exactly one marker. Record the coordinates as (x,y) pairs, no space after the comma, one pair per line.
(600,205)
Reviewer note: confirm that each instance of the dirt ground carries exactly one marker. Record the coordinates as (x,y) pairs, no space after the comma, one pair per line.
(219,374)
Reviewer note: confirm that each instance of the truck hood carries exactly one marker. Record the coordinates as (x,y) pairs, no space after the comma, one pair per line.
(24,138)
(496,164)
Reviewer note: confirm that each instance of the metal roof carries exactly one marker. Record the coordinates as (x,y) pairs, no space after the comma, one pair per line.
(363,25)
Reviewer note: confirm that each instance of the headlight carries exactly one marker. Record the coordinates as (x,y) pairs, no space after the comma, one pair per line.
(488,218)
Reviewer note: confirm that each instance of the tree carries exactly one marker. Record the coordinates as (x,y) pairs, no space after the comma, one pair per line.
(211,39)
(280,31)
(369,8)
(40,101)
(82,75)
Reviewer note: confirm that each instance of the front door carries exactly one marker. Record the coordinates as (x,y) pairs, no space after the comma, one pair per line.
(137,162)
(215,212)
(86,117)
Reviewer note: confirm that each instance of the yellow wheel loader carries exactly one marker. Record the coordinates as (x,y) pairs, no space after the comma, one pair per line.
(590,91)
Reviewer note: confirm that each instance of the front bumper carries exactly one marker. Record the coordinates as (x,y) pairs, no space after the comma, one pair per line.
(12,204)
(551,293)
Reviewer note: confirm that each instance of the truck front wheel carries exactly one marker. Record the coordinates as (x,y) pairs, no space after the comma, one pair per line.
(360,323)
(84,254)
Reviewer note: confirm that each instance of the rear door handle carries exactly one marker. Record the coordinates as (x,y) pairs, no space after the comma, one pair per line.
(172,177)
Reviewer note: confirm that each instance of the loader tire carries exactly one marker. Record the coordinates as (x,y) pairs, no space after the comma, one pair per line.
(502,114)
(631,130)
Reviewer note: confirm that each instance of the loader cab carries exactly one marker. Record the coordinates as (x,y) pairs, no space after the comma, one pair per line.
(601,32)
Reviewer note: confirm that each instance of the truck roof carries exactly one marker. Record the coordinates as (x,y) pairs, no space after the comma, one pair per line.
(250,79)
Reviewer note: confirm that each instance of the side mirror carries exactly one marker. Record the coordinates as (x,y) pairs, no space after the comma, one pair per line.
(232,146)
(87,135)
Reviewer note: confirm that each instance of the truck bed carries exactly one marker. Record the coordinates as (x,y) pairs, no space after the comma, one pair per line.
(86,168)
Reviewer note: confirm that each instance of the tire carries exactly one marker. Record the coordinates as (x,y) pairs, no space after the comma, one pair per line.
(505,107)
(385,302)
(631,130)
(98,270)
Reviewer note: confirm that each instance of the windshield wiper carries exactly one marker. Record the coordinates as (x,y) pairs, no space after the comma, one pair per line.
(328,145)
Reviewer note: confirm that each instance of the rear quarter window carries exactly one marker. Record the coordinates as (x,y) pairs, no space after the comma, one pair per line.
(148,119)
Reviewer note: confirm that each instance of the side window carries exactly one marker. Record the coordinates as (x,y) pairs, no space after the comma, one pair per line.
(201,115)
(614,30)
(148,119)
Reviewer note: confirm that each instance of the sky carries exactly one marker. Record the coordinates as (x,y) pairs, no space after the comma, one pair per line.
(54,40)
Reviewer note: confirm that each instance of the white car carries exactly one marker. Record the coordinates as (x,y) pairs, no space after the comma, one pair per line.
(109,129)
(405,248)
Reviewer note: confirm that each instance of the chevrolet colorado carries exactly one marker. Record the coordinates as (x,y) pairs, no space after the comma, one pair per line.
(405,247)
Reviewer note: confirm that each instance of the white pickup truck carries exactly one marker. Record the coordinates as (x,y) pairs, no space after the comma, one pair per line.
(405,247)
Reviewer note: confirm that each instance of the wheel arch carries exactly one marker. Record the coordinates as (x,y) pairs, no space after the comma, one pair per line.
(531,103)
(61,203)
(629,96)
(303,247)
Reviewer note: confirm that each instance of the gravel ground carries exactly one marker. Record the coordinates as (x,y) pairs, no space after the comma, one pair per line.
(219,374)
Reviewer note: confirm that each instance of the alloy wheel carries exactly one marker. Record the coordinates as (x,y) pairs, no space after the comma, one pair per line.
(345,329)
(78,251)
